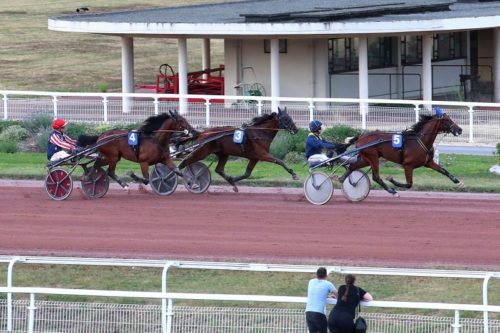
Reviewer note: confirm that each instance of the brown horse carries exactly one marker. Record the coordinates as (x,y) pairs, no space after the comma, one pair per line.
(257,138)
(417,150)
(153,141)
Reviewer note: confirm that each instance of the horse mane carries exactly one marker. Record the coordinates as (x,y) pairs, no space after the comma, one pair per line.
(153,123)
(262,119)
(417,127)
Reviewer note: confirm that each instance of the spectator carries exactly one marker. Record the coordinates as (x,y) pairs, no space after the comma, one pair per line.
(317,292)
(341,318)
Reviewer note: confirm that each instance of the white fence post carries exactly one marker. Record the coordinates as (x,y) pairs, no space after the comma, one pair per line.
(311,110)
(9,294)
(5,115)
(54,102)
(170,314)
(156,104)
(456,324)
(105,105)
(207,112)
(417,112)
(31,316)
(471,124)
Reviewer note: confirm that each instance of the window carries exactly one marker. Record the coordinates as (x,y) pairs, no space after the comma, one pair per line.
(380,52)
(343,54)
(445,47)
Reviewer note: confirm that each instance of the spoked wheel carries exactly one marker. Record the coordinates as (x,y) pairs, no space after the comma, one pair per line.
(163,180)
(318,188)
(357,186)
(95,182)
(58,184)
(197,177)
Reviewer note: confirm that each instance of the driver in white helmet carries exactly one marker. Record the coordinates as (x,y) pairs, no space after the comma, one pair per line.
(60,145)
(315,144)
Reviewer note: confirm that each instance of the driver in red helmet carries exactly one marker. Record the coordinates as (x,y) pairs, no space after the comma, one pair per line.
(60,144)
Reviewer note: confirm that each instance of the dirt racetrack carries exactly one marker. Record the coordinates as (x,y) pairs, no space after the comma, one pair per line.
(452,230)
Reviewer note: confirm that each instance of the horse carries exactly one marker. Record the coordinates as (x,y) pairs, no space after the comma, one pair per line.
(417,150)
(152,148)
(256,140)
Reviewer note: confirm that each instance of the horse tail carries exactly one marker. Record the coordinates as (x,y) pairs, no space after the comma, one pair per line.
(86,140)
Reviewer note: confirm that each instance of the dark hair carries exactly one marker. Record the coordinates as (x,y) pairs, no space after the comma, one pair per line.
(349,281)
(321,273)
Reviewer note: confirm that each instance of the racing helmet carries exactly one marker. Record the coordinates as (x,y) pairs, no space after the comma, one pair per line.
(315,125)
(59,123)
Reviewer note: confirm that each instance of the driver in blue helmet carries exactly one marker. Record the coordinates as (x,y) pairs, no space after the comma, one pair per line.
(315,144)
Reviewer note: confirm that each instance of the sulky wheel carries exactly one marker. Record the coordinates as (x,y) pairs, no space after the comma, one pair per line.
(357,186)
(318,188)
(58,184)
(163,180)
(197,177)
(95,182)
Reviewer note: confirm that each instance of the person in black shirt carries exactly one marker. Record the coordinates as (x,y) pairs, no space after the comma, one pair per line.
(341,318)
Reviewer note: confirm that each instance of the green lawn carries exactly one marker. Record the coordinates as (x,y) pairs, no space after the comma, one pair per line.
(472,170)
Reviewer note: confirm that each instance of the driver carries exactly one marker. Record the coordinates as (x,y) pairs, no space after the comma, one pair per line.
(59,142)
(315,144)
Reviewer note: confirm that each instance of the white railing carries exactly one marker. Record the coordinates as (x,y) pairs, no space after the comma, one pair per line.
(168,298)
(168,314)
(480,121)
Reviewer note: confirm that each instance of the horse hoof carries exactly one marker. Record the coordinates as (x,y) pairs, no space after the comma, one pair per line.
(295,177)
(126,189)
(235,189)
(461,185)
(395,194)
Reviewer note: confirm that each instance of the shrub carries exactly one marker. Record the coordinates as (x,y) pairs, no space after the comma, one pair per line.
(295,157)
(37,123)
(7,123)
(281,145)
(338,133)
(8,146)
(74,130)
(498,149)
(14,133)
(42,139)
(298,140)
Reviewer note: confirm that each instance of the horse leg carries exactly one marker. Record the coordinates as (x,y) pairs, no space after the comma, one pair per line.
(434,166)
(408,175)
(270,158)
(112,175)
(145,174)
(374,163)
(360,163)
(222,160)
(250,166)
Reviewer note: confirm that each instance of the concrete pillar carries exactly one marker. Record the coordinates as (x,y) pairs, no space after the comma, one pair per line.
(427,41)
(275,72)
(363,77)
(496,65)
(182,60)
(205,56)
(127,71)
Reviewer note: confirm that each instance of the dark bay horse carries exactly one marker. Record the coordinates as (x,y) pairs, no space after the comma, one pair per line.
(417,150)
(153,141)
(257,138)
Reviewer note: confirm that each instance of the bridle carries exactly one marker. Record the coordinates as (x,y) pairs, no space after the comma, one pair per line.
(285,122)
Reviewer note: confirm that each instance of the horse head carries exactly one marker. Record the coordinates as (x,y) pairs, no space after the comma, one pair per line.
(180,124)
(286,122)
(446,125)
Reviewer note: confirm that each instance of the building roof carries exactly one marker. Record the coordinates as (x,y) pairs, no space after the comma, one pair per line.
(290,18)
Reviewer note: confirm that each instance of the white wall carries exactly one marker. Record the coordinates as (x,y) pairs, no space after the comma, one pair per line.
(303,69)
